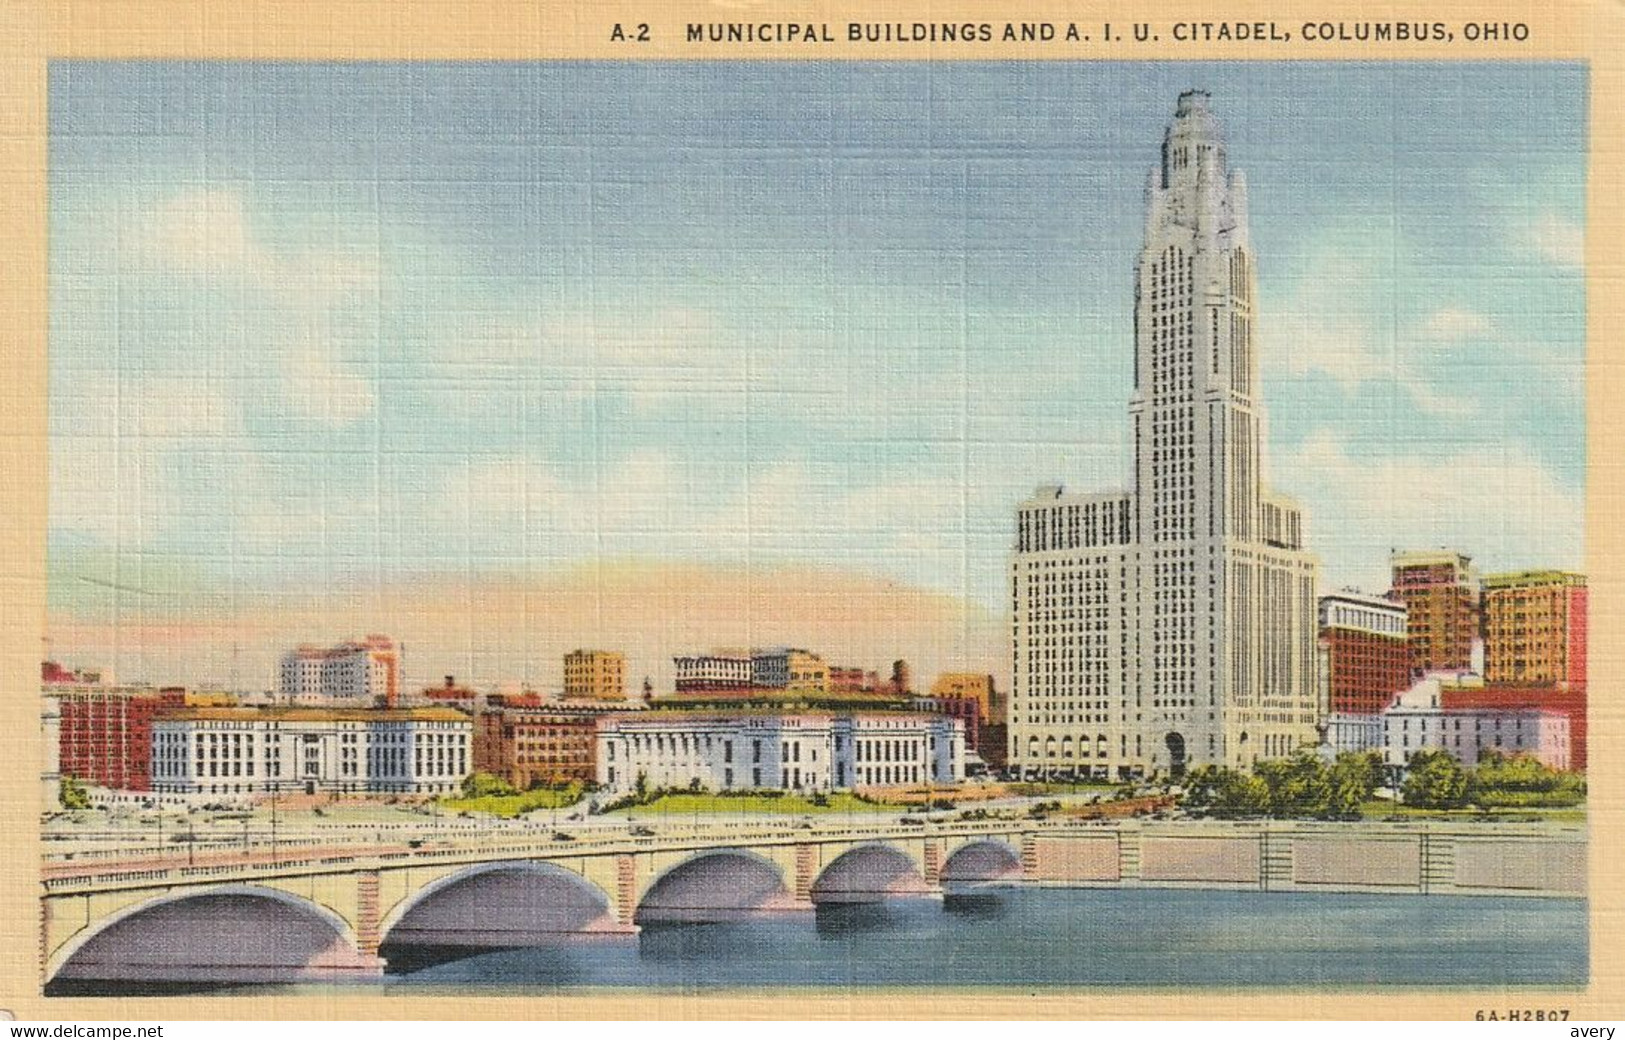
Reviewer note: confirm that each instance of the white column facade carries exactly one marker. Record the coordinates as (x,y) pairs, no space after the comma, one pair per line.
(244,751)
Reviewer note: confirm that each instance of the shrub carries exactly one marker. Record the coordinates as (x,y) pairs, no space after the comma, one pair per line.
(1522,782)
(481,785)
(72,793)
(1298,786)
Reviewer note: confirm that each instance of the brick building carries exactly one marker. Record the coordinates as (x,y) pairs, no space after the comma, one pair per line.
(968,710)
(528,747)
(1366,654)
(105,734)
(1441,595)
(450,695)
(1535,627)
(977,685)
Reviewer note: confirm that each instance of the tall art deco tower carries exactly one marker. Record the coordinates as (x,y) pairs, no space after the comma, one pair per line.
(1173,624)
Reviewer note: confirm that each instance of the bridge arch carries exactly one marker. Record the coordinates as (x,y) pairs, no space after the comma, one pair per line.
(981,861)
(228,933)
(719,885)
(500,905)
(868,873)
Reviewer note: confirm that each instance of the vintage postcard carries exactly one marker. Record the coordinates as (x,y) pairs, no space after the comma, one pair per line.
(628,510)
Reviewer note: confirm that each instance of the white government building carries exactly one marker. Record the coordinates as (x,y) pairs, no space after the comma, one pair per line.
(1172,624)
(310,750)
(811,751)
(1417,721)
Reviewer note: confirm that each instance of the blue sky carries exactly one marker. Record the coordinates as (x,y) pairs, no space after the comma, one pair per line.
(316,324)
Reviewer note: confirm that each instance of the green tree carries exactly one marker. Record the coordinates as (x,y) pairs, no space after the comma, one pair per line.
(1225,792)
(71,793)
(1354,777)
(1435,780)
(1298,786)
(640,788)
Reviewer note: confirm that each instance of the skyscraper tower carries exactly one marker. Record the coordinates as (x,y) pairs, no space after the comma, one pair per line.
(1173,624)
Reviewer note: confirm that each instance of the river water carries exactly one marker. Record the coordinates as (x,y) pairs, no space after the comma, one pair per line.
(1105,937)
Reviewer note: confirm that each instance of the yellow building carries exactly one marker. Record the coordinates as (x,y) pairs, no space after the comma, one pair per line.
(1440,591)
(977,686)
(1535,627)
(595,675)
(807,672)
(211,699)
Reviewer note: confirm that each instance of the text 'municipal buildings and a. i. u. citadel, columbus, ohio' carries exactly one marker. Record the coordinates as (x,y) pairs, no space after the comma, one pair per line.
(1172,624)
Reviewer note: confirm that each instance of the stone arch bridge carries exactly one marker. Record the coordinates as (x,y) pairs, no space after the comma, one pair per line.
(329,911)
(312,913)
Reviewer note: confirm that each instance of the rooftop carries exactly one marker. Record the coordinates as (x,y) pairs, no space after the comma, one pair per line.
(314,714)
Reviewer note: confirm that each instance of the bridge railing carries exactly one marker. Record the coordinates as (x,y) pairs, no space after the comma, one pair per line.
(141,867)
(261,859)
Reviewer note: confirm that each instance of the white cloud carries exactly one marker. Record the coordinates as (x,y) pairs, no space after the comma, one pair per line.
(1434,402)
(520,502)
(1504,508)
(653,356)
(199,231)
(324,390)
(207,233)
(1343,349)
(110,439)
(183,405)
(1333,325)
(1557,240)
(1449,324)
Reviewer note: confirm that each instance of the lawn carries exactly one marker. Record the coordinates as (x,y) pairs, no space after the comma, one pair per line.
(1032,788)
(679,804)
(510,805)
(1377,808)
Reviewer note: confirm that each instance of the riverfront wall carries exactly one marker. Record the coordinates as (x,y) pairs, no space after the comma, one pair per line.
(1463,859)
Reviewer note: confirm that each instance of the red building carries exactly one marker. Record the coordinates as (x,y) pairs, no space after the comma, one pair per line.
(852,680)
(106,733)
(522,699)
(529,747)
(450,695)
(1570,700)
(967,710)
(1367,656)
